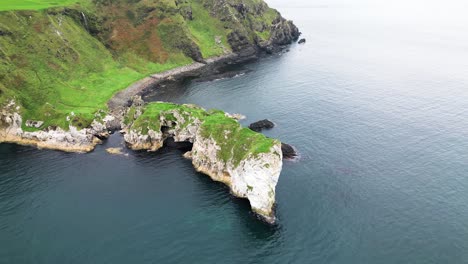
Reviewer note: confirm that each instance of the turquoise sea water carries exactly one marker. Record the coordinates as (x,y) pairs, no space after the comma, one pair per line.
(376,103)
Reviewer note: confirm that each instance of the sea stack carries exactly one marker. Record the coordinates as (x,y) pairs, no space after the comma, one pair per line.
(247,162)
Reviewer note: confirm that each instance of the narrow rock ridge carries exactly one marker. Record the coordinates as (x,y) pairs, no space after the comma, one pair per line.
(247,162)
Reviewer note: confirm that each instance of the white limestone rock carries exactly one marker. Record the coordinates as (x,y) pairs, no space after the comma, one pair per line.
(73,140)
(255,178)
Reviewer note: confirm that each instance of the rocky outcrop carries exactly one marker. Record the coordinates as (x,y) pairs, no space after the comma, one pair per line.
(73,140)
(283,32)
(301,41)
(253,25)
(255,177)
(288,151)
(115,151)
(262,124)
(246,161)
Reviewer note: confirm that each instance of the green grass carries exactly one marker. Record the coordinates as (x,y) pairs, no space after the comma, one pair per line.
(236,143)
(61,74)
(205,29)
(54,68)
(150,118)
(33,4)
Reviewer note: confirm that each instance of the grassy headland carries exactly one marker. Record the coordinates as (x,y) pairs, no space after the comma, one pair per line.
(62,60)
(235,142)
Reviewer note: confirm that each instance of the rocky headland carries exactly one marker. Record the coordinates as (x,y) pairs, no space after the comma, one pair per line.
(56,94)
(246,161)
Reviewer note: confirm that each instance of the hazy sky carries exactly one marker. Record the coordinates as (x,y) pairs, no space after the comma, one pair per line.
(395,3)
(416,9)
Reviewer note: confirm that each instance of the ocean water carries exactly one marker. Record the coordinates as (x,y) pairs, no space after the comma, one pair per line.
(376,103)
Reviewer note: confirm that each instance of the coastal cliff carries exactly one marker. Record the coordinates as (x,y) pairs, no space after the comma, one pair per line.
(247,162)
(62,65)
(71,140)
(67,74)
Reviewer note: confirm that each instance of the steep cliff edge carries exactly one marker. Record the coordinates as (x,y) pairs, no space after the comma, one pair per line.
(246,161)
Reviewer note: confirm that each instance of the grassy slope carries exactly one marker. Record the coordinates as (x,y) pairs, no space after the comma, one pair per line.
(205,29)
(52,65)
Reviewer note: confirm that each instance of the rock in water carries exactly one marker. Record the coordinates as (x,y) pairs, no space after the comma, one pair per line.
(246,161)
(288,151)
(262,124)
(302,41)
(115,151)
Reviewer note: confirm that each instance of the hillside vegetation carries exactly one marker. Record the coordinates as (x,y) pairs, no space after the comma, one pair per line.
(62,60)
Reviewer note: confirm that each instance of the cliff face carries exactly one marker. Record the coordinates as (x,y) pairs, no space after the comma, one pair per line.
(253,177)
(246,161)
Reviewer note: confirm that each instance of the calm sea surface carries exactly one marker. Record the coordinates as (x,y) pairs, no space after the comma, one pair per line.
(377,104)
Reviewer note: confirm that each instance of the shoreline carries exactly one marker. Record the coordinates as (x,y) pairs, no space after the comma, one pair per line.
(118,103)
(120,100)
(76,148)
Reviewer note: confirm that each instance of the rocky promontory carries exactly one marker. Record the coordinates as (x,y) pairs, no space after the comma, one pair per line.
(71,140)
(66,70)
(247,162)
(65,65)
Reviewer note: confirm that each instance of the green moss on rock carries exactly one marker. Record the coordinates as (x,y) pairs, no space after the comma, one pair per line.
(235,142)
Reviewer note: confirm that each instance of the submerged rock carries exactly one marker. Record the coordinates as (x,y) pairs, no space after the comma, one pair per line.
(262,124)
(246,161)
(115,151)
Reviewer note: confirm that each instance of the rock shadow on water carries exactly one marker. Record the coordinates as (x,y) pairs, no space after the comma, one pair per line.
(251,222)
(246,219)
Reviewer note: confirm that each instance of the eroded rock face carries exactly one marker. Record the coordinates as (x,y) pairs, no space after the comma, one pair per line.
(173,123)
(151,141)
(284,32)
(254,178)
(73,140)
(248,162)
